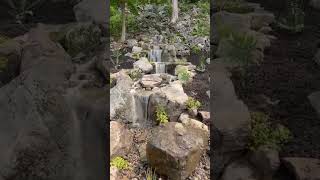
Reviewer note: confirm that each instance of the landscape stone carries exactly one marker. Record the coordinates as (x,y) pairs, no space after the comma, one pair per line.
(175,150)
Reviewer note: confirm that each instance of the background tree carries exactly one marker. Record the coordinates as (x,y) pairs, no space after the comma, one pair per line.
(175,11)
(126,6)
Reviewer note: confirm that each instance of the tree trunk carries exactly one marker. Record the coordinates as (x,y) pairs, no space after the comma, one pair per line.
(124,24)
(175,11)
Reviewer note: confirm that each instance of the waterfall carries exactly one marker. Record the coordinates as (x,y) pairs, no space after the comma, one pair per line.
(141,108)
(155,55)
(160,67)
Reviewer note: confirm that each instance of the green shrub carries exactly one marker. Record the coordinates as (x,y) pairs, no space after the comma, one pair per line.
(239,48)
(119,163)
(204,6)
(3,63)
(116,22)
(151,174)
(115,58)
(135,74)
(161,115)
(202,66)
(82,38)
(195,49)
(192,103)
(201,28)
(263,134)
(184,76)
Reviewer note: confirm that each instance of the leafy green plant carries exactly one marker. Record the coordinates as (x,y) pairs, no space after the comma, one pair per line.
(151,174)
(202,66)
(193,103)
(135,74)
(239,48)
(263,134)
(201,28)
(81,38)
(116,20)
(161,115)
(294,19)
(115,58)
(184,76)
(195,49)
(119,163)
(204,5)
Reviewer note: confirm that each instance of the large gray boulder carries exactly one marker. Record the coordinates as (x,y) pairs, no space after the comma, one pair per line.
(143,64)
(266,160)
(240,170)
(261,19)
(172,97)
(174,150)
(92,11)
(121,139)
(151,80)
(46,125)
(10,58)
(231,115)
(121,100)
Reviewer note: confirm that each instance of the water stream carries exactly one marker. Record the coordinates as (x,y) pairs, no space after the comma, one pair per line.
(141,107)
(160,67)
(155,55)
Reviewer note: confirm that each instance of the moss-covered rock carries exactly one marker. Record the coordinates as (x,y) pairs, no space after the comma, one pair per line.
(81,38)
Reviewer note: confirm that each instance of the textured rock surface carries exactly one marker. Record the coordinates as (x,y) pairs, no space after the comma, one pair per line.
(11,51)
(121,100)
(175,150)
(143,64)
(266,160)
(91,11)
(240,170)
(47,125)
(172,97)
(231,116)
(151,80)
(120,139)
(303,168)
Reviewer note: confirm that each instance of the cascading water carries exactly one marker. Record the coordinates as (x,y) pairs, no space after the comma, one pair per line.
(160,67)
(141,108)
(155,55)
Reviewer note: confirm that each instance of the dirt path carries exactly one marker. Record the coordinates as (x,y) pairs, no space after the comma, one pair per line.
(289,74)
